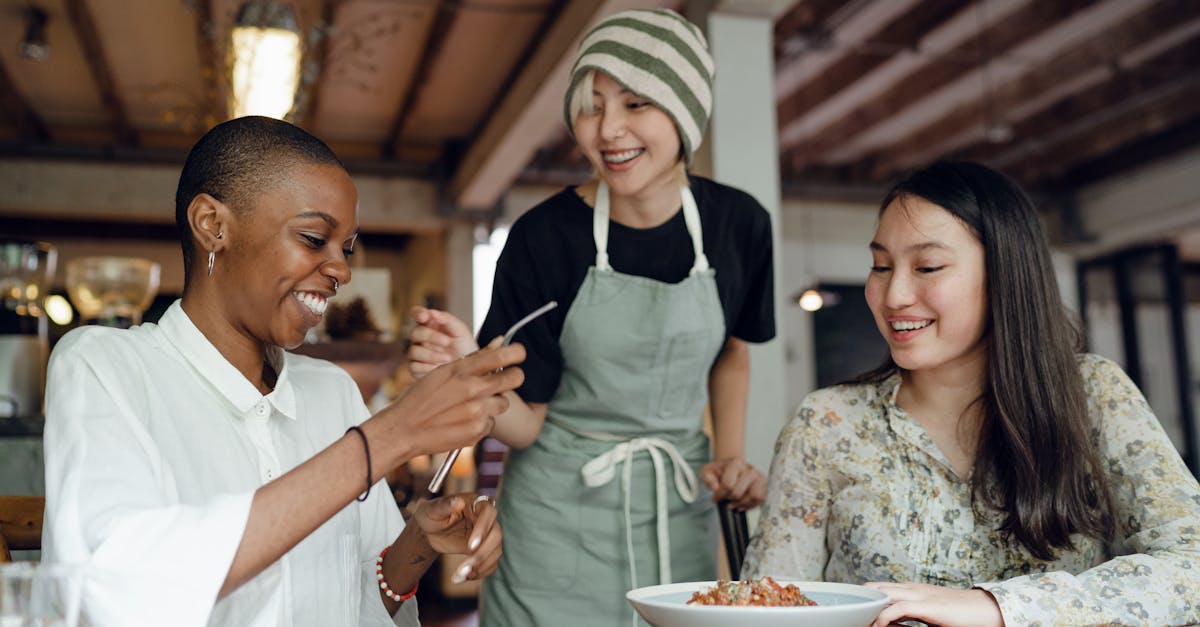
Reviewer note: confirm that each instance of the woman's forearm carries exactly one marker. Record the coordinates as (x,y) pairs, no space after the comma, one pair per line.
(520,425)
(728,389)
(324,484)
(408,559)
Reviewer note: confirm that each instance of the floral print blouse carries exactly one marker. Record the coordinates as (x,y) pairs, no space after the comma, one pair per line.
(859,492)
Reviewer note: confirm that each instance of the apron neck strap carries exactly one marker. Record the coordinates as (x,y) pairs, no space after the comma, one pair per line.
(691,217)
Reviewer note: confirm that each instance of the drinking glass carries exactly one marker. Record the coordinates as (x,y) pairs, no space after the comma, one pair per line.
(39,595)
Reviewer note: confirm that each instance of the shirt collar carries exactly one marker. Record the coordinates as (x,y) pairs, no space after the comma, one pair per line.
(908,429)
(181,332)
(901,423)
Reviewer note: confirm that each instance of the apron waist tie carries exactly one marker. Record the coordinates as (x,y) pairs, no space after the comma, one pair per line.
(601,469)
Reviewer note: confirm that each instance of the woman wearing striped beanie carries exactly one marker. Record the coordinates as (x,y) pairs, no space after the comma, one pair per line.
(661,280)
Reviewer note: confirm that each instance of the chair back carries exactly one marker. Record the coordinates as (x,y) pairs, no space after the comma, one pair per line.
(20,524)
(736,536)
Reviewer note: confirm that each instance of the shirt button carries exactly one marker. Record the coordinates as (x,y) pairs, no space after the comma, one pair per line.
(261,409)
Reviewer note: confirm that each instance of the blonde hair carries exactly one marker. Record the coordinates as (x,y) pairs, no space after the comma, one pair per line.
(581,98)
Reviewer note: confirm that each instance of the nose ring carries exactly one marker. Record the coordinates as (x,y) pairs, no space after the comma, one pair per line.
(335,285)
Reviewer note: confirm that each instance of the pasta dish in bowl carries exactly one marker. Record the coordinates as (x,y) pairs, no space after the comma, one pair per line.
(763,592)
(732,604)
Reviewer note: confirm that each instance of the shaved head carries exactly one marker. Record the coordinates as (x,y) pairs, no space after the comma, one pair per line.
(236,160)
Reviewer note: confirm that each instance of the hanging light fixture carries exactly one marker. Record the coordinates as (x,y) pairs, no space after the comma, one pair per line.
(812,298)
(265,51)
(34,45)
(996,128)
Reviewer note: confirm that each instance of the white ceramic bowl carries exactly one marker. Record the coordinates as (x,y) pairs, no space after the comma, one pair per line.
(838,605)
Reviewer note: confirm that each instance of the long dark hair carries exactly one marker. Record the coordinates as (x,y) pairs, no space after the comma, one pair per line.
(1035,443)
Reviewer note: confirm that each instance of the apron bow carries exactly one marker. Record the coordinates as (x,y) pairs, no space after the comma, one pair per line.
(603,468)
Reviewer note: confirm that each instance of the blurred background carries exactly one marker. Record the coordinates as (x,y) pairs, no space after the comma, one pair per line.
(448,113)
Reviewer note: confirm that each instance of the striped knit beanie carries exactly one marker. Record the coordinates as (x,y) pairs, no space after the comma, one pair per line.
(658,55)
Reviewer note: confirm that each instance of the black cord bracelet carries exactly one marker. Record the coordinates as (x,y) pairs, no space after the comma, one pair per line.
(367,450)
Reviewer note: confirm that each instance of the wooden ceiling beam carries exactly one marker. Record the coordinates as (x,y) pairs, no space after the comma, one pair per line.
(30,126)
(1132,43)
(1159,145)
(841,140)
(315,60)
(212,65)
(1067,117)
(1108,129)
(530,110)
(808,43)
(904,30)
(1063,29)
(963,27)
(435,39)
(806,18)
(89,40)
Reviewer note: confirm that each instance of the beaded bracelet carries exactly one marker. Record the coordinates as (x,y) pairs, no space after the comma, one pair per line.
(383,585)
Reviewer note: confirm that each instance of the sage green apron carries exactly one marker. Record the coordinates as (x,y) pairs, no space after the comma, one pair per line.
(607,499)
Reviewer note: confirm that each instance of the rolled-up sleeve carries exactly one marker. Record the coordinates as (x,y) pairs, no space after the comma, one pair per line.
(111,506)
(1155,578)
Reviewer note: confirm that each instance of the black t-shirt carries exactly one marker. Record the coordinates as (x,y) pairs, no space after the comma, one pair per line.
(550,249)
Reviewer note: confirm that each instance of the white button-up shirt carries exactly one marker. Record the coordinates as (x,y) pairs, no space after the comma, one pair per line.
(155,445)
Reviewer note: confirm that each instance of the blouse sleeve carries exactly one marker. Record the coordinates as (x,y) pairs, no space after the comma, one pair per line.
(1155,580)
(107,507)
(790,540)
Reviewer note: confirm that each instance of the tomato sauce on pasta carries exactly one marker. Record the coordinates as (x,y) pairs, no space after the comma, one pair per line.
(765,592)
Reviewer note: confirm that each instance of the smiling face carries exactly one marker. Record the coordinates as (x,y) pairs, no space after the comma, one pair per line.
(629,141)
(927,287)
(288,253)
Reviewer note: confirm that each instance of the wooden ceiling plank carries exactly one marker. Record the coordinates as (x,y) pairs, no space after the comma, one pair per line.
(961,28)
(1080,113)
(1083,66)
(1168,106)
(435,39)
(1131,156)
(807,18)
(904,30)
(803,56)
(29,124)
(1095,118)
(211,66)
(93,53)
(882,108)
(804,40)
(319,51)
(1011,46)
(530,110)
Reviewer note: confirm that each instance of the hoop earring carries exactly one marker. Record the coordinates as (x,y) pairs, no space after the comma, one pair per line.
(212,255)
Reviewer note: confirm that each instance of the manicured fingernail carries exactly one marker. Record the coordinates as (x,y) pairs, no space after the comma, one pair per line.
(474,543)
(460,575)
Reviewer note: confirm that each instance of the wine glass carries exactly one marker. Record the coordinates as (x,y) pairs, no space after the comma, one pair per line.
(36,594)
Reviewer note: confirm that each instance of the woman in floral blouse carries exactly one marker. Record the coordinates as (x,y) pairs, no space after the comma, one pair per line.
(988,474)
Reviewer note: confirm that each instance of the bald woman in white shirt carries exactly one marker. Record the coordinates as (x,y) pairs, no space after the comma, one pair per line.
(204,475)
